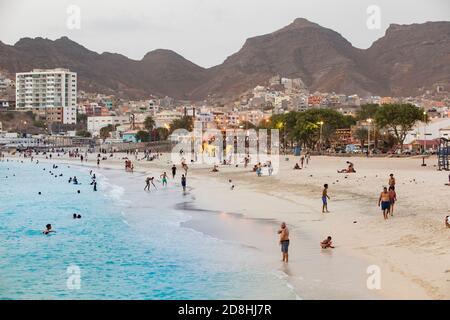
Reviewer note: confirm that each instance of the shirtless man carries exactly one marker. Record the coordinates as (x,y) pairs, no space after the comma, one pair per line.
(284,241)
(391,180)
(164,179)
(384,202)
(325,197)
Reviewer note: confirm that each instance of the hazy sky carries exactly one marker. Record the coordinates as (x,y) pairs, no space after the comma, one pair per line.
(203,31)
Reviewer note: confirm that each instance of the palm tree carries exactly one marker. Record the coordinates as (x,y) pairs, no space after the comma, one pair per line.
(149,123)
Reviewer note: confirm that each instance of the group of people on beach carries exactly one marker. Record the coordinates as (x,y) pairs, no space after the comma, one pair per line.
(164,179)
(387,198)
(284,242)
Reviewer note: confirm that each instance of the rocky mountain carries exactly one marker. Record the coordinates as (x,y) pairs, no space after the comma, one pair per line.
(407,60)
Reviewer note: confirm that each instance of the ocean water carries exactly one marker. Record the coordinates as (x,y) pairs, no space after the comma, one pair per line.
(129,244)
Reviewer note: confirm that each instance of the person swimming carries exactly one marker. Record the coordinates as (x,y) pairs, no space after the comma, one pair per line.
(48,229)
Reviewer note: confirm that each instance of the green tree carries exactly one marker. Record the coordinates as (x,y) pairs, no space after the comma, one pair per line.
(142,136)
(105,131)
(83,133)
(161,133)
(185,122)
(149,123)
(81,118)
(367,111)
(361,134)
(304,127)
(399,118)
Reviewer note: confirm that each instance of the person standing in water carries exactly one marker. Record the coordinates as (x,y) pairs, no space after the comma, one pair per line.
(325,197)
(284,241)
(384,202)
(164,179)
(183,182)
(174,171)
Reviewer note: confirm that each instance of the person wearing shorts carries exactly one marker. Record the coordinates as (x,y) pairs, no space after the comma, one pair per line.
(384,202)
(164,179)
(284,241)
(325,197)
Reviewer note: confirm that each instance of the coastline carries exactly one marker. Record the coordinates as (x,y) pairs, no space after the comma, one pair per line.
(414,263)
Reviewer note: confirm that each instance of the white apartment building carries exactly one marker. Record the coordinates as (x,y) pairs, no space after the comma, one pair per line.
(48,88)
(94,124)
(164,118)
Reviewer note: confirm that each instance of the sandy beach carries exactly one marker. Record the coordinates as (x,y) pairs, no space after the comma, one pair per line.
(411,248)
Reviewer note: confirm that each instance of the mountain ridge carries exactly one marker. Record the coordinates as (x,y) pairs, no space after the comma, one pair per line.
(407,60)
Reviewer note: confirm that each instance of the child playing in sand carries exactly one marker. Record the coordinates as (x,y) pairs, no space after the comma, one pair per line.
(327,243)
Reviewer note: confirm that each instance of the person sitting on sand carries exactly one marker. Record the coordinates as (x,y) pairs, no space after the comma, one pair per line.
(284,241)
(48,229)
(327,243)
(215,169)
(384,202)
(297,167)
(350,168)
(447,221)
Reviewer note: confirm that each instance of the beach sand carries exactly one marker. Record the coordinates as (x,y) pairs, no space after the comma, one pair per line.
(411,249)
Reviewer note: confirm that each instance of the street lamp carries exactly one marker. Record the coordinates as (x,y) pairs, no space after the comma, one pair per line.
(369,121)
(320,137)
(425,131)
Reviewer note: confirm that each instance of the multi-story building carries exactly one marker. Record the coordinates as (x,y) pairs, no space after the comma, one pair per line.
(94,124)
(48,88)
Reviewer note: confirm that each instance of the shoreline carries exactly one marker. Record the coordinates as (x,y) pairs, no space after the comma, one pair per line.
(259,198)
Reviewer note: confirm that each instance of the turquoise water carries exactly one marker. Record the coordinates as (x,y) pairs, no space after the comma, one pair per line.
(128,244)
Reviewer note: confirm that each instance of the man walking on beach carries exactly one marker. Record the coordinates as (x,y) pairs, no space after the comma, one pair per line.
(391,180)
(325,197)
(284,241)
(385,202)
